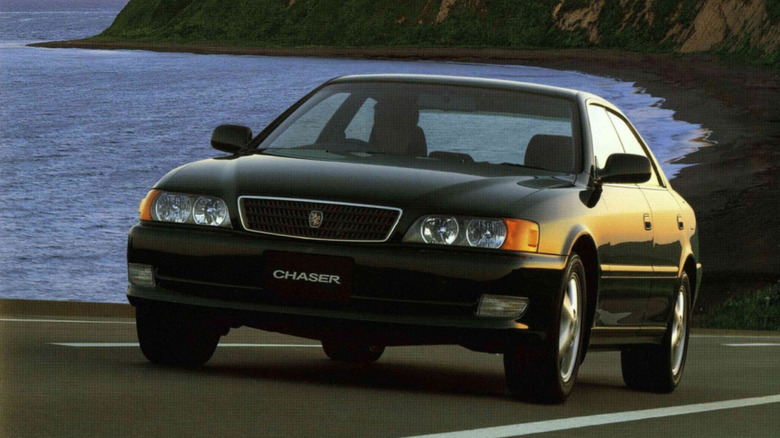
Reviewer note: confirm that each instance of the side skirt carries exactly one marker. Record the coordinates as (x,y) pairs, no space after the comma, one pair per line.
(615,338)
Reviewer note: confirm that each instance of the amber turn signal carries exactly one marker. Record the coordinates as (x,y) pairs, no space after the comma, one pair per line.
(521,235)
(145,209)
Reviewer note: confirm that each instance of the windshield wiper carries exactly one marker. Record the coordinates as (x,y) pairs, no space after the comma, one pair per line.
(525,166)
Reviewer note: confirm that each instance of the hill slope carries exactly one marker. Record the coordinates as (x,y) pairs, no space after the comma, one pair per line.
(747,28)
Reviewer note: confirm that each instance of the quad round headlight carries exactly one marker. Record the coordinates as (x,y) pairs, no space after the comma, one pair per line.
(486,233)
(474,232)
(441,230)
(184,209)
(172,207)
(209,211)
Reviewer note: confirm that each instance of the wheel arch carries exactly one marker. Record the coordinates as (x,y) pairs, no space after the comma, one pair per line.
(690,267)
(585,247)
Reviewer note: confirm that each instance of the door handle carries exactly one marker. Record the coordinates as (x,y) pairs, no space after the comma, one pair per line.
(648,222)
(680,223)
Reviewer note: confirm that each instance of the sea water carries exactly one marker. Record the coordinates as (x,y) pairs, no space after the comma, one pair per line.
(84,134)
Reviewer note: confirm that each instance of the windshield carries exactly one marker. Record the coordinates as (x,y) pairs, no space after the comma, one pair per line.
(435,121)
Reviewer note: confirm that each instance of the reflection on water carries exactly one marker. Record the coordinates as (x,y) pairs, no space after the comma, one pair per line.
(84,135)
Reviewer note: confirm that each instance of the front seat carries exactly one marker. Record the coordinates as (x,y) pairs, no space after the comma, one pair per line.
(395,129)
(552,152)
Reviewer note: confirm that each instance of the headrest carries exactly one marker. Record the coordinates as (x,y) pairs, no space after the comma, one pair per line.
(553,152)
(400,111)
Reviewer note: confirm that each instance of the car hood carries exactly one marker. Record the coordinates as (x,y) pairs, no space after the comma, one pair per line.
(433,186)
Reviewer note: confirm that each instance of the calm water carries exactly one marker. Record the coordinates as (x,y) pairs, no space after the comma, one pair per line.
(84,134)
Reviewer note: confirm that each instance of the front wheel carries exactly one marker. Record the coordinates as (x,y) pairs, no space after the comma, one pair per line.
(169,335)
(659,368)
(547,374)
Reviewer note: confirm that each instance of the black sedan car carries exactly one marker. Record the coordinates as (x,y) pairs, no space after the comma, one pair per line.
(388,210)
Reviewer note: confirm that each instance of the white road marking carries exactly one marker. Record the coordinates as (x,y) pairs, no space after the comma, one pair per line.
(754,344)
(603,419)
(96,344)
(69,321)
(135,344)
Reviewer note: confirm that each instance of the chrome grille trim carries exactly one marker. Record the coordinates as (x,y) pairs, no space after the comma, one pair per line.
(288,217)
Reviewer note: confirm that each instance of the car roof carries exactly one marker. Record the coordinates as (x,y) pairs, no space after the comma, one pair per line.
(468,82)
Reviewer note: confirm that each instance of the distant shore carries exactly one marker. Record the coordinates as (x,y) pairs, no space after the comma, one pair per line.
(733,185)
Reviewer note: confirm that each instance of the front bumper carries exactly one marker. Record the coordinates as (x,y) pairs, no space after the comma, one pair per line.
(422,292)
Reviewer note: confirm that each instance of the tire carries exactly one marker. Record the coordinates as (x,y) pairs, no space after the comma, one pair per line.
(659,368)
(351,351)
(172,336)
(547,374)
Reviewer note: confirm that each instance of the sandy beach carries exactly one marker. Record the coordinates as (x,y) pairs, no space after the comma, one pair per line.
(732,184)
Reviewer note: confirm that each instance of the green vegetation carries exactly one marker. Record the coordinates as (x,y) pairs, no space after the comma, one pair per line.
(512,24)
(339,23)
(758,310)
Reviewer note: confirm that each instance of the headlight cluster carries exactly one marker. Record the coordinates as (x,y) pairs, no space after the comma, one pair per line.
(184,209)
(505,234)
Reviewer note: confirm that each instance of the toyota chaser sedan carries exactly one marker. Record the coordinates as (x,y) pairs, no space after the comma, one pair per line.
(390,210)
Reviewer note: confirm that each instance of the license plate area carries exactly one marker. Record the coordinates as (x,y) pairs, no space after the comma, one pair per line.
(293,276)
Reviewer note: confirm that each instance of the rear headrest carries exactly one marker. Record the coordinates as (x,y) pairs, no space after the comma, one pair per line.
(553,152)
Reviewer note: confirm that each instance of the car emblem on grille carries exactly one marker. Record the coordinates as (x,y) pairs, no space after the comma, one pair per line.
(315,219)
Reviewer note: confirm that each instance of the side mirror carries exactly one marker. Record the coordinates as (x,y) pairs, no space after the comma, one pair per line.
(230,138)
(626,169)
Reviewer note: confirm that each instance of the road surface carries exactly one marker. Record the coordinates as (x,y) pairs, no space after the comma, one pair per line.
(79,372)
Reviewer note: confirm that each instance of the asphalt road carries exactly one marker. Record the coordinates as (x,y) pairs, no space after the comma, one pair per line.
(85,376)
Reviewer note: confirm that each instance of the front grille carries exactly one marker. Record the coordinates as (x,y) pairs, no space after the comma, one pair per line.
(318,220)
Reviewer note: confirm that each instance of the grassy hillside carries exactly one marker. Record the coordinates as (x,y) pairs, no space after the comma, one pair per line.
(345,23)
(749,29)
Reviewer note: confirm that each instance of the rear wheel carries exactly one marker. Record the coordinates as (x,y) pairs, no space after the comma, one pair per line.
(547,374)
(173,336)
(659,368)
(351,350)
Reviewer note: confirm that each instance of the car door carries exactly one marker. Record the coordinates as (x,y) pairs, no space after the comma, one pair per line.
(667,224)
(625,237)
